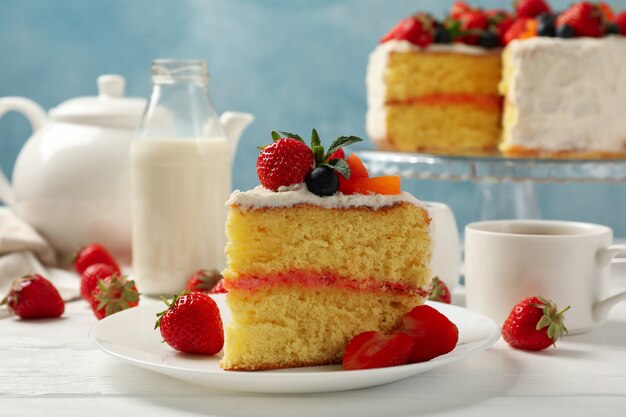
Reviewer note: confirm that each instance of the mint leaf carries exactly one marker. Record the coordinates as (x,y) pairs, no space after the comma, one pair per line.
(341,166)
(275,136)
(341,142)
(291,135)
(315,139)
(318,154)
(454,28)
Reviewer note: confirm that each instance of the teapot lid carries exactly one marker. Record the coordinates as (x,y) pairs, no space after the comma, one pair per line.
(108,108)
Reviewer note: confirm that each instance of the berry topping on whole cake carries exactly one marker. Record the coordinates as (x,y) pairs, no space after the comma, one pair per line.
(289,161)
(418,29)
(495,28)
(618,23)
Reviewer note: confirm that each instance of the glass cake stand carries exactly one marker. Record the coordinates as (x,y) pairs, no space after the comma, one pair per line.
(506,184)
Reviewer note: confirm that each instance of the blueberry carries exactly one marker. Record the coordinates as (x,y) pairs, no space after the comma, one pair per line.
(546,25)
(546,18)
(322,181)
(488,40)
(442,35)
(612,29)
(565,31)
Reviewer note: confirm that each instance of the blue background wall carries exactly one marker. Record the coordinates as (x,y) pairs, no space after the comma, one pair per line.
(295,64)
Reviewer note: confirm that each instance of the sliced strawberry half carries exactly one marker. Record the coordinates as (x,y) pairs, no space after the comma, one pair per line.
(433,333)
(372,349)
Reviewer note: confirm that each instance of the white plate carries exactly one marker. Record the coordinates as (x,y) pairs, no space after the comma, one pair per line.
(130,336)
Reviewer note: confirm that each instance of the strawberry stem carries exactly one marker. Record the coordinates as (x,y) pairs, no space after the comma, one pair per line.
(552,318)
(169,305)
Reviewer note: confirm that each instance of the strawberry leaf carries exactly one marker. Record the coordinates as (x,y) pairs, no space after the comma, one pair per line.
(341,166)
(291,135)
(169,304)
(437,290)
(341,142)
(275,136)
(545,321)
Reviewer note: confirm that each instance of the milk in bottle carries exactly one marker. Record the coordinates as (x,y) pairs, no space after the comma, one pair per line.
(180,180)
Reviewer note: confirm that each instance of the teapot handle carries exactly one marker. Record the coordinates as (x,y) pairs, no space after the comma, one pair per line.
(36,115)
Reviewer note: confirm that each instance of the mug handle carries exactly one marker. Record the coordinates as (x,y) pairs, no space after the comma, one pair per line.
(601,308)
(36,115)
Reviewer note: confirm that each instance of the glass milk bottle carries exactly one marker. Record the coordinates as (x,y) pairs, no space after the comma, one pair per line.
(180,180)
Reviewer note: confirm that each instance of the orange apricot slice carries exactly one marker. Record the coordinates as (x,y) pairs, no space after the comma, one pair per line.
(357,168)
(387,185)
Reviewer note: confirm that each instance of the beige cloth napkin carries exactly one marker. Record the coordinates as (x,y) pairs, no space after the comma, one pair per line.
(24,251)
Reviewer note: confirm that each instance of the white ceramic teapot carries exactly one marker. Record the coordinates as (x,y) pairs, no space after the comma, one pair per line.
(71,178)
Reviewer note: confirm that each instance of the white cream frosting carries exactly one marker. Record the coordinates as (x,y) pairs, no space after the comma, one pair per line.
(261,197)
(376,117)
(569,94)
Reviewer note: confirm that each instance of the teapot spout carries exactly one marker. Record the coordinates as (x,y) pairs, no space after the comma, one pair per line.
(234,124)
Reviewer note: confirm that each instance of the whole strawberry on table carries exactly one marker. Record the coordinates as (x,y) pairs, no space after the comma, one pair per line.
(534,323)
(102,284)
(34,297)
(203,280)
(113,294)
(440,292)
(94,253)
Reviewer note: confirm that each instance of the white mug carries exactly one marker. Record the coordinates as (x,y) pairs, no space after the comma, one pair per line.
(445,262)
(568,262)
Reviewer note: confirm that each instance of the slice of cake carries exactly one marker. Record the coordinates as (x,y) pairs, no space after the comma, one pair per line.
(565,98)
(442,99)
(307,270)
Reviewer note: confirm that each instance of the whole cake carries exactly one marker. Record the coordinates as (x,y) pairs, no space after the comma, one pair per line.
(316,255)
(532,83)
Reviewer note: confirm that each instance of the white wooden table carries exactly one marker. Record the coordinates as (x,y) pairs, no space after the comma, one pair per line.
(50,368)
